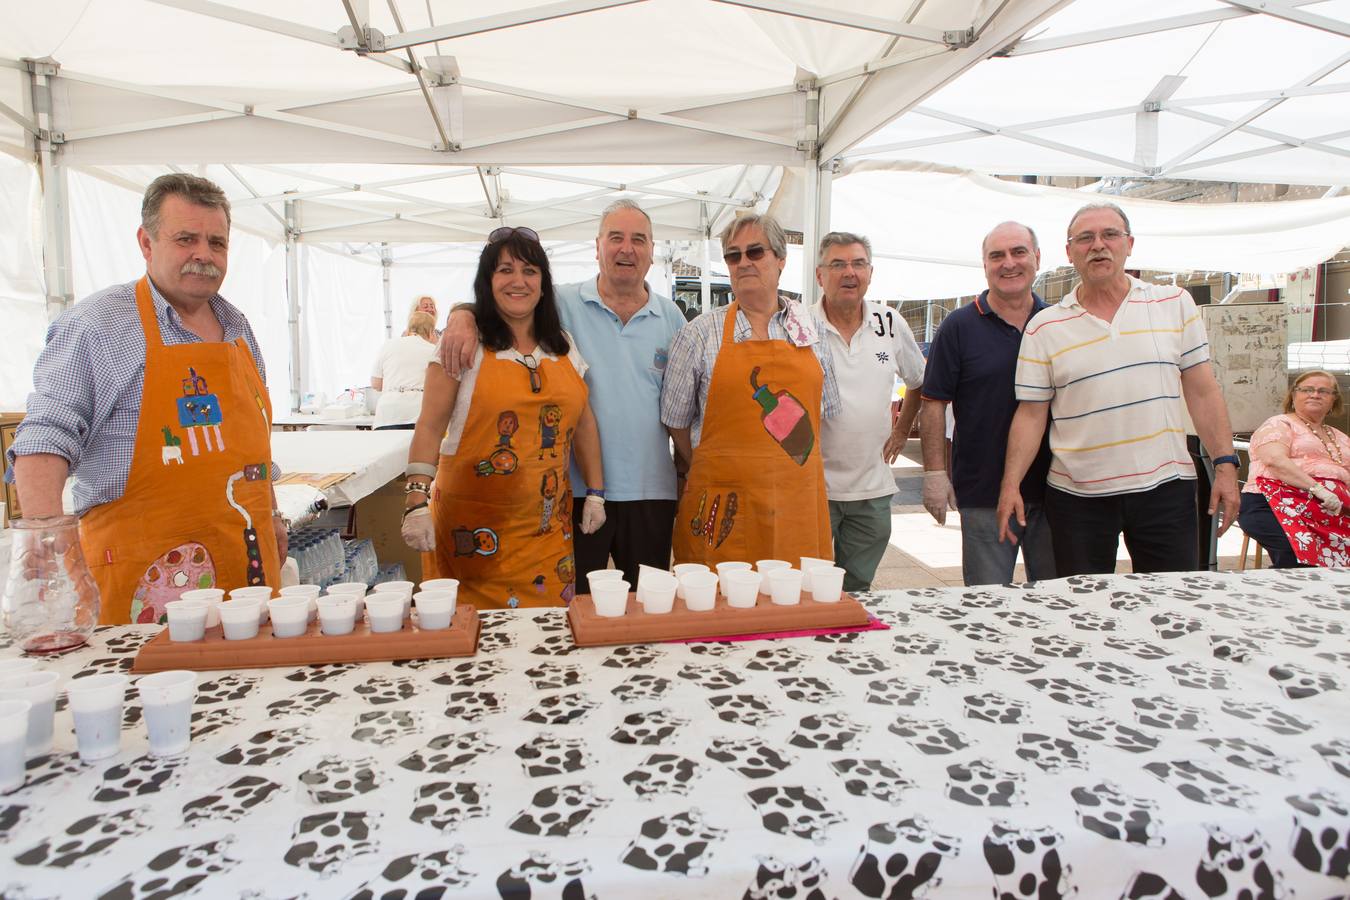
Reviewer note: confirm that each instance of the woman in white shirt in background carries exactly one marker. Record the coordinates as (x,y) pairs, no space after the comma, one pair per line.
(400,370)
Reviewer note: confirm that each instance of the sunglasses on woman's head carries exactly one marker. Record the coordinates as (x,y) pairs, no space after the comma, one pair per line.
(754,253)
(501,234)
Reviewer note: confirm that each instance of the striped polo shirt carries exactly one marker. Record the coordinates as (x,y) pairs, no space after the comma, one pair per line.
(1118,421)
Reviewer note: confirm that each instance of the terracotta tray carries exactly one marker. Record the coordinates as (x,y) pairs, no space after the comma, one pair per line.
(264,651)
(638,627)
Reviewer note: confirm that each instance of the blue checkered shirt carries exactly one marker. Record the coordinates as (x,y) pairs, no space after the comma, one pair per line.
(684,392)
(87,384)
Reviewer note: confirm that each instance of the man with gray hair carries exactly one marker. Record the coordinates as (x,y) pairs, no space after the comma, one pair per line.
(624,330)
(870,345)
(152,394)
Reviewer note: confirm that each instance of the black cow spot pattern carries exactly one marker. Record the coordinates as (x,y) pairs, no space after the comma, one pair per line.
(1020,618)
(992,706)
(473,706)
(558,811)
(1172,625)
(1233,647)
(1299,683)
(115,665)
(11,817)
(231,802)
(305,703)
(381,690)
(980,631)
(901,859)
(1008,661)
(928,736)
(1267,716)
(387,726)
(1137,648)
(531,876)
(143,775)
(826,731)
(678,844)
(1107,810)
(1026,863)
(896,691)
(1310,624)
(711,677)
(317,673)
(743,709)
(228,689)
(943,611)
(448,751)
(336,778)
(1340,657)
(128,642)
(324,842)
(951,672)
(1287,638)
(750,757)
(1228,611)
(1164,712)
(469,674)
(1237,866)
(978,783)
(646,728)
(1203,785)
(86,839)
(662,774)
(1321,841)
(496,641)
(1122,737)
(794,810)
(446,805)
(1202,678)
(1249,755)
(873,778)
(982,600)
(1129,601)
(547,754)
(561,709)
(778,659)
(1086,584)
(550,620)
(559,644)
(777,880)
(1051,602)
(860,662)
(1114,673)
(175,872)
(421,875)
(1067,691)
(633,656)
(917,644)
(1337,754)
(642,686)
(715,649)
(809,689)
(49,767)
(1049,754)
(267,746)
(1091,621)
(549,676)
(1057,646)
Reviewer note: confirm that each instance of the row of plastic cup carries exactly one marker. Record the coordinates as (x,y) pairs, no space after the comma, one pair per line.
(698,586)
(28,713)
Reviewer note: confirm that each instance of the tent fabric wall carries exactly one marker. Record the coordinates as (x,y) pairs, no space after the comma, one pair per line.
(23,304)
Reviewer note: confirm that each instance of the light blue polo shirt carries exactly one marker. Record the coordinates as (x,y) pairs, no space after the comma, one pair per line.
(627,362)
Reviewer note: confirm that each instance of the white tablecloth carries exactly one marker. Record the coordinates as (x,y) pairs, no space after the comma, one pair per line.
(1173,736)
(372,458)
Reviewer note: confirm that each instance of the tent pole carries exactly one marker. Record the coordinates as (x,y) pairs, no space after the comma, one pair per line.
(387,263)
(293,304)
(55,190)
(705,264)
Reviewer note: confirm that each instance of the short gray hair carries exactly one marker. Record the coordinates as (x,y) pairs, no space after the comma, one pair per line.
(841,239)
(773,232)
(1035,244)
(195,190)
(621,204)
(1100,205)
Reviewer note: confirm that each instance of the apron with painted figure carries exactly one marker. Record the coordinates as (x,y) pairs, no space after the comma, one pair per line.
(197,510)
(502,503)
(756,488)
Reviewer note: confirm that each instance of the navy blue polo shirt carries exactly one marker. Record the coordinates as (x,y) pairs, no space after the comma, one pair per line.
(971,365)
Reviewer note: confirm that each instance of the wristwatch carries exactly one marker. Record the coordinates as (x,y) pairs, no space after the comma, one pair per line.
(1230,458)
(595,492)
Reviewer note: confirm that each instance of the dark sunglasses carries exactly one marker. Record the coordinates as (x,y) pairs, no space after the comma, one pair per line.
(501,234)
(754,253)
(532,366)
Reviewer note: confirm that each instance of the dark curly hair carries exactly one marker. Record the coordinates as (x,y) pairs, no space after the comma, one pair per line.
(496,333)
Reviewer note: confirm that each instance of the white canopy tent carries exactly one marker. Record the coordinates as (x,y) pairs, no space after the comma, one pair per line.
(364,127)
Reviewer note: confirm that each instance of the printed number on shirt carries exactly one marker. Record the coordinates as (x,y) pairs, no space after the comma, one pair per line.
(885,326)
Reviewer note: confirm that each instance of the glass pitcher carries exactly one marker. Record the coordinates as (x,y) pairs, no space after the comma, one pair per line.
(50,601)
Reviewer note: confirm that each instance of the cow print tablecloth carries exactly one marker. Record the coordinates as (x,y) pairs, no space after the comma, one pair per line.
(1134,736)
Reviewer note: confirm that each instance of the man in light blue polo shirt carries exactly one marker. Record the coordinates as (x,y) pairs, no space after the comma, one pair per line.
(624,331)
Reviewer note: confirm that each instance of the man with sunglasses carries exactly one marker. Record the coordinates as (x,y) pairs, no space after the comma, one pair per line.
(870,345)
(1111,363)
(624,331)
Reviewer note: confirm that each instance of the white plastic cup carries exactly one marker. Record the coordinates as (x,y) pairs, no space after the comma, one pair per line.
(17,666)
(765,566)
(166,702)
(187,619)
(785,586)
(725,567)
(610,597)
(13,739)
(260,592)
(660,593)
(337,614)
(645,572)
(39,690)
(356,590)
(435,609)
(213,597)
(742,589)
(440,584)
(309,591)
(827,584)
(96,703)
(809,563)
(682,569)
(604,575)
(290,616)
(239,619)
(384,609)
(402,589)
(700,591)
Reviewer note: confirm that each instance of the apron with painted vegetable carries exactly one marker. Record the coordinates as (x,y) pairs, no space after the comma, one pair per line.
(756,488)
(197,510)
(502,503)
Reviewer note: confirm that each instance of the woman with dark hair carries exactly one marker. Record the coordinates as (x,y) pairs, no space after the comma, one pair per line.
(1296,487)
(497,441)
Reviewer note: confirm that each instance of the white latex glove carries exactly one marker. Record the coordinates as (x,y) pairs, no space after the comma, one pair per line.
(1331,504)
(419,531)
(592,514)
(938,495)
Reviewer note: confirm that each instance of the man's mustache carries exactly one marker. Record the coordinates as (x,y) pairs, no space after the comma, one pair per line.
(196,268)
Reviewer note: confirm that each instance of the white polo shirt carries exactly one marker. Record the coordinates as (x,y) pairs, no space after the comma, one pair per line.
(865,368)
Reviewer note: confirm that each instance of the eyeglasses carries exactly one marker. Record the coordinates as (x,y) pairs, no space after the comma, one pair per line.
(840,265)
(754,253)
(532,366)
(1088,238)
(1320,392)
(501,234)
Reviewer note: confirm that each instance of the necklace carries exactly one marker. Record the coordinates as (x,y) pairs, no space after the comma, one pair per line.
(1326,437)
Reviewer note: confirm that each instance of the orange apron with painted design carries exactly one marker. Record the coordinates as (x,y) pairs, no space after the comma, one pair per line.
(756,488)
(502,503)
(197,510)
